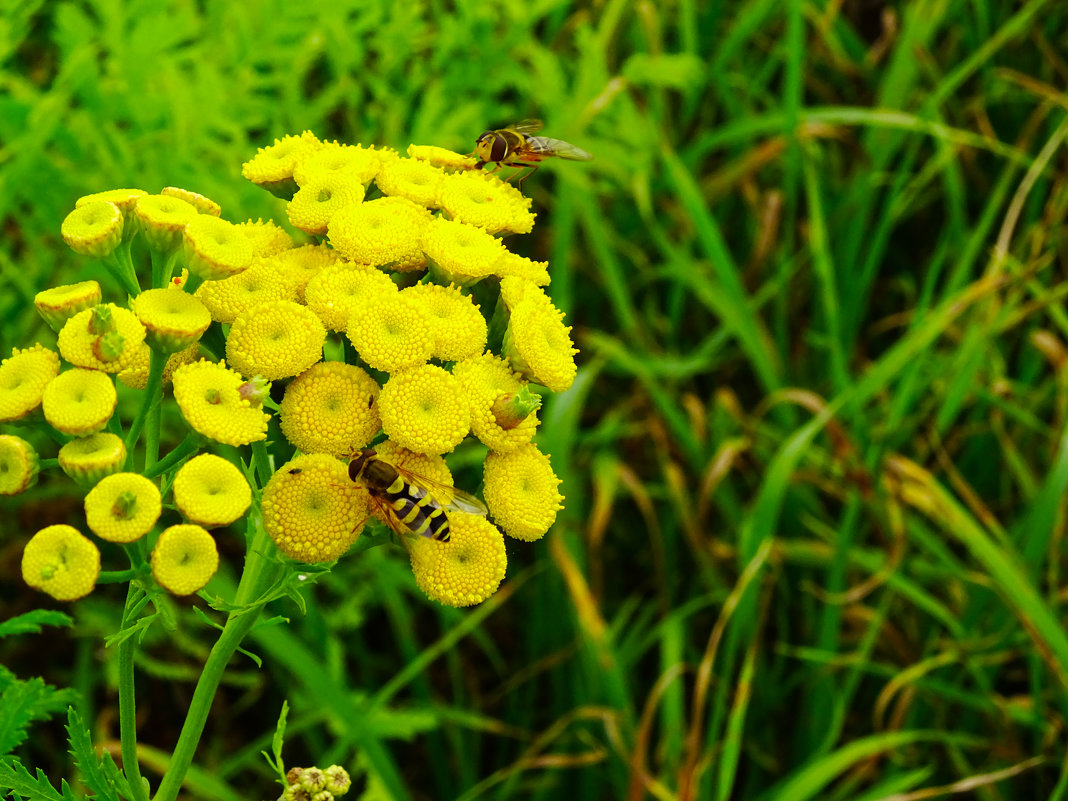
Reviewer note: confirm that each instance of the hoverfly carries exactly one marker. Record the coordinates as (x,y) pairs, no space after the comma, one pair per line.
(515,147)
(410,503)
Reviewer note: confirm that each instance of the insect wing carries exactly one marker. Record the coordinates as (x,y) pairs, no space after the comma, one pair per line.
(557,147)
(447,497)
(526,126)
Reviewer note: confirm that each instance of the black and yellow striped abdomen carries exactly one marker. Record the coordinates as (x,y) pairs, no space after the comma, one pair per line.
(407,507)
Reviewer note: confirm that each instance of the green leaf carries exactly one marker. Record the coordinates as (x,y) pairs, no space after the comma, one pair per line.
(21,703)
(31,622)
(81,748)
(16,781)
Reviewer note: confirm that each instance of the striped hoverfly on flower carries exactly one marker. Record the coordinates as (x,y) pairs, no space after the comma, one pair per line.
(516,146)
(410,503)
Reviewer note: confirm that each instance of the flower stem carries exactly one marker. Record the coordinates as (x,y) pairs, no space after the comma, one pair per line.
(186,447)
(127,707)
(153,389)
(121,265)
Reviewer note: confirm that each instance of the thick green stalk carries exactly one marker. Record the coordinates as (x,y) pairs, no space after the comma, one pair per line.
(120,263)
(187,447)
(153,390)
(128,707)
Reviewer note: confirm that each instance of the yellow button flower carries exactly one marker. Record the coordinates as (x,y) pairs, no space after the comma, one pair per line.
(537,341)
(520,266)
(320,197)
(275,340)
(440,157)
(300,265)
(79,401)
(211,491)
(481,199)
(467,569)
(459,328)
(485,379)
(312,510)
(125,199)
(18,465)
(136,375)
(228,299)
(414,179)
(60,303)
(205,205)
(392,332)
(23,378)
(172,319)
(521,492)
(209,396)
(162,219)
(355,162)
(272,167)
(184,559)
(424,409)
(339,290)
(89,459)
(266,238)
(463,254)
(62,562)
(215,248)
(93,229)
(122,507)
(80,339)
(330,408)
(380,232)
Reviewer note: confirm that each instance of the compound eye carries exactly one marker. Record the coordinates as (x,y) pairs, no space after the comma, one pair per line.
(499,150)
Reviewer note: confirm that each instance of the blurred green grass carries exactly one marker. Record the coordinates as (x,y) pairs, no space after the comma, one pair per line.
(814,459)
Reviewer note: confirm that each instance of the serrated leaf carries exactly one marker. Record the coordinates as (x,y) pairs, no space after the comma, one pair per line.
(115,777)
(139,627)
(81,748)
(14,778)
(21,703)
(32,621)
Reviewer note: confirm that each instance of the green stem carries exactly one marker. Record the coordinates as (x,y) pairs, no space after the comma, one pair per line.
(193,282)
(120,262)
(153,390)
(163,265)
(127,706)
(187,447)
(117,576)
(155,415)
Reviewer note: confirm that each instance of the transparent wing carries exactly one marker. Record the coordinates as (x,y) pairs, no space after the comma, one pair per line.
(527,126)
(448,497)
(557,147)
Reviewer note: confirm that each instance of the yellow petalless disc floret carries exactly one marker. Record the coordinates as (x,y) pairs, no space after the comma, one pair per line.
(330,408)
(463,254)
(513,264)
(60,303)
(458,325)
(173,319)
(184,559)
(162,219)
(485,378)
(211,491)
(424,409)
(320,197)
(467,569)
(125,199)
(93,229)
(411,178)
(210,398)
(272,167)
(79,344)
(23,378)
(311,509)
(261,283)
(62,562)
(356,162)
(380,232)
(123,507)
(338,291)
(79,401)
(89,459)
(18,465)
(215,248)
(205,205)
(522,492)
(266,238)
(484,200)
(275,340)
(392,332)
(300,265)
(537,342)
(440,157)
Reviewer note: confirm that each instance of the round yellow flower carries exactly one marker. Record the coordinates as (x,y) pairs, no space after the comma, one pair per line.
(136,375)
(467,569)
(162,219)
(62,562)
(23,378)
(339,290)
(424,410)
(93,229)
(312,510)
(330,408)
(122,507)
(172,319)
(125,199)
(211,491)
(392,332)
(205,205)
(300,265)
(411,178)
(210,398)
(215,248)
(275,340)
(521,492)
(261,283)
(379,232)
(539,344)
(440,157)
(80,339)
(458,325)
(462,253)
(79,401)
(481,199)
(520,266)
(355,162)
(184,559)
(60,303)
(486,378)
(89,459)
(18,465)
(272,167)
(266,238)
(320,197)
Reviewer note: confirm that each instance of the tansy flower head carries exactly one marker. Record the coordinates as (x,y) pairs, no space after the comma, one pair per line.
(411,178)
(481,199)
(330,408)
(80,342)
(339,290)
(184,559)
(459,329)
(60,303)
(162,219)
(136,375)
(440,157)
(486,379)
(392,332)
(23,378)
(312,510)
(462,254)
(266,238)
(320,197)
(356,163)
(18,465)
(537,341)
(467,569)
(93,229)
(209,396)
(272,166)
(380,232)
(337,780)
(300,265)
(123,507)
(79,401)
(125,199)
(424,409)
(173,319)
(211,491)
(513,264)
(89,459)
(215,248)
(521,492)
(204,205)
(62,562)
(275,340)
(226,300)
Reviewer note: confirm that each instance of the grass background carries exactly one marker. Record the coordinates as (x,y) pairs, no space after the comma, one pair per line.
(814,460)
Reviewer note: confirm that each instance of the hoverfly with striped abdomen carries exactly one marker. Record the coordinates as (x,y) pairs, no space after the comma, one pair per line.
(515,146)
